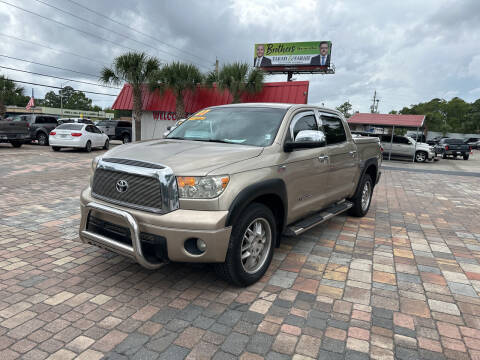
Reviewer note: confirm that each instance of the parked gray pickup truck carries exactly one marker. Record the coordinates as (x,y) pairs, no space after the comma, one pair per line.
(13,132)
(226,184)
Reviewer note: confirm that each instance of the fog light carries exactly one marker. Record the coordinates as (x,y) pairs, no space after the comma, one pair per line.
(201,245)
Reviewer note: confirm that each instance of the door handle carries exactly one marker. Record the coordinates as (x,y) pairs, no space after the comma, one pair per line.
(352,152)
(323,157)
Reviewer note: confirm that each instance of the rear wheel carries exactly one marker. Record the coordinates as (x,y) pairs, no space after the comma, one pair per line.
(362,199)
(466,156)
(42,139)
(88,146)
(250,249)
(421,156)
(16,143)
(126,138)
(56,148)
(444,156)
(107,145)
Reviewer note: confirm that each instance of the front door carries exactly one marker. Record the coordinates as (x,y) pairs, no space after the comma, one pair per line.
(305,170)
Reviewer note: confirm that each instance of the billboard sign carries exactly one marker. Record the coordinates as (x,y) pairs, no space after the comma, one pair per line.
(296,54)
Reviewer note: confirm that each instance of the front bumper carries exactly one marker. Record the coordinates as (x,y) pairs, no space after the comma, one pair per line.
(173,229)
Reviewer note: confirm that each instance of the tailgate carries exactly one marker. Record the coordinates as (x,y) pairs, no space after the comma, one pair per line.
(13,127)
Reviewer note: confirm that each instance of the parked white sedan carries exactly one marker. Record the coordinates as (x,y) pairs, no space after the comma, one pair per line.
(82,136)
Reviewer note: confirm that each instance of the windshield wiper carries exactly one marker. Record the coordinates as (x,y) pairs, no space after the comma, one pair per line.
(175,138)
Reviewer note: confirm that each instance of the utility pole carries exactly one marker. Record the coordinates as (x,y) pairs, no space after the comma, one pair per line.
(216,67)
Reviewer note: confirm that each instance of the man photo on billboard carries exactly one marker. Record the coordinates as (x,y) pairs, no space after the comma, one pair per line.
(324,58)
(261,60)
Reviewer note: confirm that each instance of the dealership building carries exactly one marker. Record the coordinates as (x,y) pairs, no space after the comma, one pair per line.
(58,112)
(159,109)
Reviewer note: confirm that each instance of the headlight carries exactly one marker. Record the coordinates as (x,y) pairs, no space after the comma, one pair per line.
(201,187)
(95,162)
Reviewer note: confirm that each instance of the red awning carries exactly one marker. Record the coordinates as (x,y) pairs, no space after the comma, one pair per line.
(293,92)
(388,120)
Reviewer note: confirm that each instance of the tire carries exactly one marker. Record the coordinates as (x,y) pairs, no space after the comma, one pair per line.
(444,156)
(88,146)
(16,144)
(56,148)
(360,204)
(42,139)
(126,138)
(244,272)
(107,145)
(421,156)
(466,156)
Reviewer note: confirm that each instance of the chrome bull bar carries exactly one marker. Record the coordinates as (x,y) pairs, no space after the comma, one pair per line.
(134,252)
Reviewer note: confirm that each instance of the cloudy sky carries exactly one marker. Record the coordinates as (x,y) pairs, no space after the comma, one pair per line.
(408,51)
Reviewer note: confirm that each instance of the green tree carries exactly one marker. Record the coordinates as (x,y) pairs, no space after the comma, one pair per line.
(68,98)
(345,109)
(179,78)
(137,69)
(237,78)
(11,94)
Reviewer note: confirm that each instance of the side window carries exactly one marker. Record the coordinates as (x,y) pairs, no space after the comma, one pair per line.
(88,128)
(97,130)
(51,120)
(403,140)
(40,120)
(302,121)
(333,128)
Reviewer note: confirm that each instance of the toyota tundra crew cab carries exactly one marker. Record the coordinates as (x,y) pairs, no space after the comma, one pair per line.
(225,185)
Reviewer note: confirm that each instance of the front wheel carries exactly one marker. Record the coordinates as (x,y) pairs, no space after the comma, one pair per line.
(444,156)
(126,138)
(466,156)
(250,249)
(362,199)
(421,156)
(16,144)
(107,145)
(88,146)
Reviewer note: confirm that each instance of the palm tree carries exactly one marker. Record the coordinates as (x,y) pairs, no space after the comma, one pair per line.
(137,69)
(237,78)
(178,77)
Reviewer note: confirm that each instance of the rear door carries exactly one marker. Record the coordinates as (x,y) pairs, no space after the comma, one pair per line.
(342,157)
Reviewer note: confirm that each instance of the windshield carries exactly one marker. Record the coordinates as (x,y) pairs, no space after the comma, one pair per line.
(246,126)
(453,141)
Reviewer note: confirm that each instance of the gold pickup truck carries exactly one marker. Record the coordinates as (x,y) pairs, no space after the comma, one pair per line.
(225,185)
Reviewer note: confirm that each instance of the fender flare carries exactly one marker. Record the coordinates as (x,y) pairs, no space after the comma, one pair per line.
(365,166)
(250,193)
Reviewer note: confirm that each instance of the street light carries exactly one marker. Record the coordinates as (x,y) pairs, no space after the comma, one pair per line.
(61,95)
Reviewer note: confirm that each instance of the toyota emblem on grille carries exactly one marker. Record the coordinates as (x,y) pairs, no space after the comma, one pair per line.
(121,186)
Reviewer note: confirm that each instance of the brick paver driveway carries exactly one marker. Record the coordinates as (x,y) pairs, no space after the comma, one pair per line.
(402,282)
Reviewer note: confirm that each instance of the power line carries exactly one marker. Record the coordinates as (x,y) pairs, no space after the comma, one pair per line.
(69,26)
(58,77)
(50,66)
(58,87)
(49,47)
(110,30)
(135,30)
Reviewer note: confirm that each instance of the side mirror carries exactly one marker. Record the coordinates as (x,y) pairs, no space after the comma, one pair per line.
(306,139)
(168,128)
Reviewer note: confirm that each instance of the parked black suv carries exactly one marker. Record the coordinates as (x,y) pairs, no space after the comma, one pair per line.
(39,126)
(117,129)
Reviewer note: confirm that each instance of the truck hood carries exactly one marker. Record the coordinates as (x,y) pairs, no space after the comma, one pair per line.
(423,146)
(184,157)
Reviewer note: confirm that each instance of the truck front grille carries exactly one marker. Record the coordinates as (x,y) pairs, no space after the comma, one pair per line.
(141,192)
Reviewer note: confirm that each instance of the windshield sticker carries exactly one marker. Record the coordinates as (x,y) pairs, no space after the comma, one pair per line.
(199,115)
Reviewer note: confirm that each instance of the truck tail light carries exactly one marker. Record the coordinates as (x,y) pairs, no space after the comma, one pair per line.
(381,149)
(76,134)
(53,133)
(446,147)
